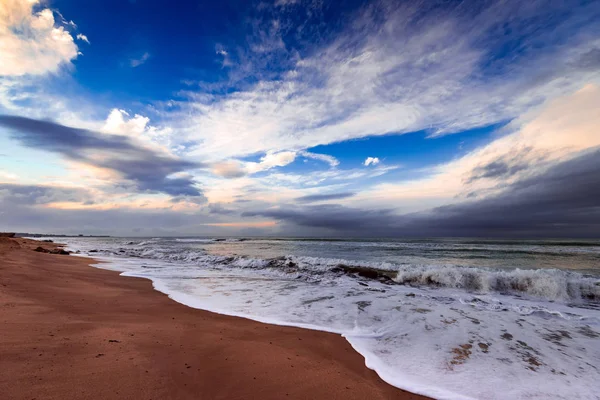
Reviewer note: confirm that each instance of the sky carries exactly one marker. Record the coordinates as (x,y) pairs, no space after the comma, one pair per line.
(300,118)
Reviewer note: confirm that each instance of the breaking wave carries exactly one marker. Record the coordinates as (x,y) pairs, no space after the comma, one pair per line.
(547,284)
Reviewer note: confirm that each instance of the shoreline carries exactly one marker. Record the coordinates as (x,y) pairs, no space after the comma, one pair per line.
(76,331)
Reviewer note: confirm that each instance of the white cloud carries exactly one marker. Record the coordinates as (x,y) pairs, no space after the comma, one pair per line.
(8,176)
(409,73)
(117,123)
(371,161)
(332,161)
(82,37)
(229,169)
(332,176)
(138,127)
(236,169)
(30,43)
(136,62)
(272,160)
(558,132)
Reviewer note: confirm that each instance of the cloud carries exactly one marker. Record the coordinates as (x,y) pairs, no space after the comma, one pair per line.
(502,168)
(237,169)
(399,68)
(333,217)
(331,176)
(538,140)
(217,208)
(271,160)
(30,43)
(127,221)
(332,161)
(83,37)
(116,123)
(150,170)
(229,169)
(226,61)
(313,198)
(37,194)
(136,62)
(561,202)
(52,209)
(121,123)
(371,161)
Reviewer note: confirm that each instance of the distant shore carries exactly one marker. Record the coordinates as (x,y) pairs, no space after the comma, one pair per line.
(76,332)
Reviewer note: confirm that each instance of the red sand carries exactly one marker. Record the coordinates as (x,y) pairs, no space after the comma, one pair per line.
(70,331)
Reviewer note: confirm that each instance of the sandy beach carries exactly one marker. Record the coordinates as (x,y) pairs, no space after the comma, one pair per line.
(71,331)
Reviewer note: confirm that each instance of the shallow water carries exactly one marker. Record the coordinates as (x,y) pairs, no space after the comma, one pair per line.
(452,319)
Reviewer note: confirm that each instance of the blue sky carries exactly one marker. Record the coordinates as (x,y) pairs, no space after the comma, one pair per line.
(293,116)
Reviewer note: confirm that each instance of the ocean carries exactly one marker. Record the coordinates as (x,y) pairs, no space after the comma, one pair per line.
(447,318)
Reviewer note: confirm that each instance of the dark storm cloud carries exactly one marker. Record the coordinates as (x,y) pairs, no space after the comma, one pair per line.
(507,166)
(147,168)
(322,197)
(590,60)
(562,201)
(330,216)
(497,169)
(217,208)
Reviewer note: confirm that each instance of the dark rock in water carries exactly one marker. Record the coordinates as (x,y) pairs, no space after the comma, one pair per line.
(381,275)
(53,251)
(7,234)
(60,251)
(220,240)
(48,241)
(276,262)
(93,251)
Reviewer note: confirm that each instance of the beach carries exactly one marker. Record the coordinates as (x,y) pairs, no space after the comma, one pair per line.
(71,331)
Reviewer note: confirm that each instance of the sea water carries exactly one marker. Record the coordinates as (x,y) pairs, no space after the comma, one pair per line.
(447,318)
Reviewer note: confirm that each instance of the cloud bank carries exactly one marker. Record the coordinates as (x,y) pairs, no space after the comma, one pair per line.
(562,202)
(149,170)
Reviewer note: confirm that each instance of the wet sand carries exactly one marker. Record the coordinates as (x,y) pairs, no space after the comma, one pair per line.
(71,331)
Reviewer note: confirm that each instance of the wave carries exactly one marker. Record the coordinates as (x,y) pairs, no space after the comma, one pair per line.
(548,284)
(195,240)
(209,240)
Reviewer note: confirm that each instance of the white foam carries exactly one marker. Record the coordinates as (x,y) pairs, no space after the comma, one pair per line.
(194,240)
